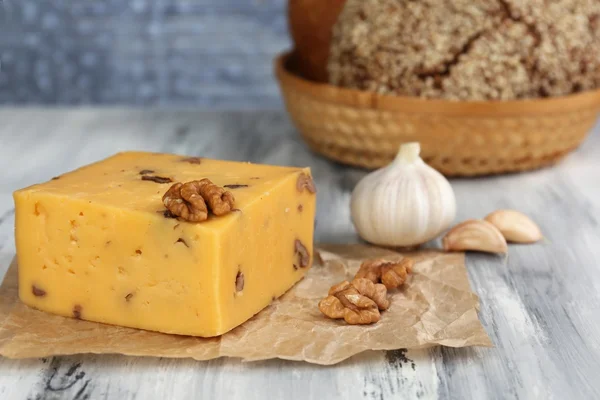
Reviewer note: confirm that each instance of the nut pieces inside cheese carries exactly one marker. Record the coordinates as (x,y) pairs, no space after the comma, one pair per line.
(156,179)
(37,292)
(192,200)
(302,254)
(305,181)
(192,160)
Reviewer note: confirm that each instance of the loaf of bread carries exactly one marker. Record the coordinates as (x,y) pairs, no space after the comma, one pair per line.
(467,50)
(310,23)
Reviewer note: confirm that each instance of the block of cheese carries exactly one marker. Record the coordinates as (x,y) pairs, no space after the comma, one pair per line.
(98,243)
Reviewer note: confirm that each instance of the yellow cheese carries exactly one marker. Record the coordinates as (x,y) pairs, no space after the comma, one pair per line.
(96,244)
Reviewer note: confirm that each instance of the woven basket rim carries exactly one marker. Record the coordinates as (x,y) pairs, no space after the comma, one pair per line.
(374,101)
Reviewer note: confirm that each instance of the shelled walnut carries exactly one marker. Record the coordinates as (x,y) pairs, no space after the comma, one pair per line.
(359,302)
(191,201)
(391,274)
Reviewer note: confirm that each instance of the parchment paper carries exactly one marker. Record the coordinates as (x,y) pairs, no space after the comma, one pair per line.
(435,307)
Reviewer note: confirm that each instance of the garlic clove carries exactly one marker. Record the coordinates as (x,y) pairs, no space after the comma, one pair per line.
(475,235)
(404,204)
(515,226)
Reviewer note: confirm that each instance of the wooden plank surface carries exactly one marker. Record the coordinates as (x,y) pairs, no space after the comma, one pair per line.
(541,305)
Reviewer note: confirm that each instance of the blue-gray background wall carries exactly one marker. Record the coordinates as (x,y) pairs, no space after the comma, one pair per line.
(208,53)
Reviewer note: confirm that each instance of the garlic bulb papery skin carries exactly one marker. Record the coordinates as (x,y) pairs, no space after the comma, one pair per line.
(404,204)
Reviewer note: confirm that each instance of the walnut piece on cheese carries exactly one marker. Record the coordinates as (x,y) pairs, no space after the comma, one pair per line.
(98,243)
(191,200)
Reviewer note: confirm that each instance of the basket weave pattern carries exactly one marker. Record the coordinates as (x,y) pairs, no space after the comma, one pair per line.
(364,129)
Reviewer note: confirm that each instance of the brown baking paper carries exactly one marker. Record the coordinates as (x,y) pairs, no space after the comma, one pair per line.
(435,307)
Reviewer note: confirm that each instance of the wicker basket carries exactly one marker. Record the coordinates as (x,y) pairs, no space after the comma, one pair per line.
(458,138)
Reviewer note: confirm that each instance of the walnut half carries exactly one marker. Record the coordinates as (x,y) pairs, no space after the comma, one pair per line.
(392,274)
(191,201)
(358,303)
(305,181)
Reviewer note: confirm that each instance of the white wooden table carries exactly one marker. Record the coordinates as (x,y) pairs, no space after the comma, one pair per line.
(541,307)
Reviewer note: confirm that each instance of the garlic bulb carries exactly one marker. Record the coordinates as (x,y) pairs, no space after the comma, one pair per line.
(406,203)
